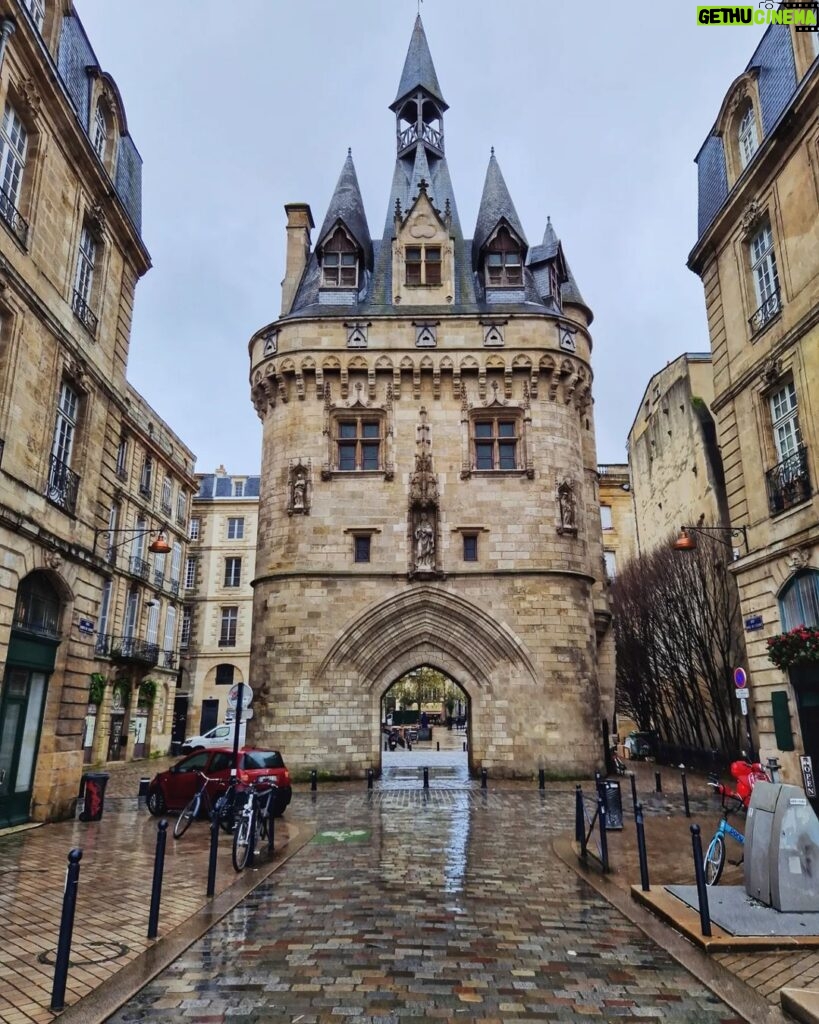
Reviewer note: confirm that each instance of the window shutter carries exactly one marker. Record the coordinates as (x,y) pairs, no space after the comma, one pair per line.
(782,720)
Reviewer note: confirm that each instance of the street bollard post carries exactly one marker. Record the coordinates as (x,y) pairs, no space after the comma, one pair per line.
(604,839)
(72,879)
(426,778)
(369,778)
(641,847)
(685,792)
(658,782)
(541,778)
(313,779)
(464,744)
(579,819)
(702,888)
(484,775)
(156,888)
(214,849)
(437,745)
(633,780)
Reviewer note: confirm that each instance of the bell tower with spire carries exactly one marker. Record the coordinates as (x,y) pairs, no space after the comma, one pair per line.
(429,473)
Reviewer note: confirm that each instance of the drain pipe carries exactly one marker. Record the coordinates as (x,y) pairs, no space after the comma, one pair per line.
(8,27)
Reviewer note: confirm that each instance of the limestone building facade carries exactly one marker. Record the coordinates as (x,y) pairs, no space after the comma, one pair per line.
(429,477)
(89,474)
(617,519)
(218,595)
(758,257)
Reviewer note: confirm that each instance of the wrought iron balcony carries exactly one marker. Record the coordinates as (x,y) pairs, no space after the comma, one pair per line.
(37,615)
(159,576)
(789,482)
(165,506)
(84,312)
(62,486)
(121,471)
(145,488)
(770,308)
(173,587)
(103,645)
(139,567)
(11,215)
(169,659)
(130,649)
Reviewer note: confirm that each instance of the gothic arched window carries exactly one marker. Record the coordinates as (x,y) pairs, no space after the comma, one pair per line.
(504,261)
(339,261)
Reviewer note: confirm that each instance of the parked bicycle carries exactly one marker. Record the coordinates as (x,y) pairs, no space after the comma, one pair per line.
(714,860)
(253,821)
(746,775)
(202,803)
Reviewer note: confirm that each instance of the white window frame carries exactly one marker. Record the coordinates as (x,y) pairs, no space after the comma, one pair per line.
(13,149)
(176,562)
(228,626)
(100,138)
(122,457)
(610,562)
(105,608)
(763,265)
(36,8)
(167,494)
(181,506)
(605,517)
(233,571)
(152,628)
(65,427)
(190,572)
(187,623)
(235,528)
(787,435)
(238,488)
(170,629)
(86,262)
(194,527)
(747,138)
(131,609)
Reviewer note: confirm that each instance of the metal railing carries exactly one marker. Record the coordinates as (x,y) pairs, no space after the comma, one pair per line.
(121,471)
(770,308)
(165,506)
(139,567)
(159,577)
(37,615)
(173,587)
(13,218)
(63,485)
(102,646)
(84,312)
(169,659)
(789,482)
(129,648)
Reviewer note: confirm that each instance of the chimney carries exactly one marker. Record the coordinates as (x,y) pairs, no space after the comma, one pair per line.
(299,223)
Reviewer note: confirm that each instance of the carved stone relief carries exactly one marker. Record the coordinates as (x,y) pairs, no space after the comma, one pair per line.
(299,488)
(566,506)
(423,506)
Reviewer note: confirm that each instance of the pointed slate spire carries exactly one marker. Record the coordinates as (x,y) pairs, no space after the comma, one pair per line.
(552,247)
(550,239)
(348,206)
(420,172)
(496,203)
(419,71)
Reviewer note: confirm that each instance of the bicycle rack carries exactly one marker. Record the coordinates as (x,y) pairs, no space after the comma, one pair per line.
(582,821)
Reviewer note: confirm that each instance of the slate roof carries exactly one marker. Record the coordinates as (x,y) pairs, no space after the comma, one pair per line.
(419,69)
(496,203)
(348,206)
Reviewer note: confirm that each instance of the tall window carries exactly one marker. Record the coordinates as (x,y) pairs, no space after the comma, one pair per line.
(785,422)
(170,629)
(152,629)
(100,136)
(190,573)
(167,494)
(495,443)
(233,572)
(84,279)
(194,527)
(470,547)
(146,476)
(746,135)
(227,628)
(361,547)
(36,8)
(235,528)
(610,562)
(113,519)
(13,146)
(131,609)
(423,263)
(66,425)
(181,506)
(799,601)
(763,265)
(159,569)
(185,635)
(605,517)
(358,443)
(122,458)
(176,565)
(102,617)
(504,266)
(339,262)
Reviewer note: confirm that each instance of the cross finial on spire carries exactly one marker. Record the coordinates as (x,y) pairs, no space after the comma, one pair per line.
(349,151)
(491,150)
(423,185)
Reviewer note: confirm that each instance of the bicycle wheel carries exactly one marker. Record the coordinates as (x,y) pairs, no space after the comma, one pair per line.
(186,816)
(714,860)
(243,839)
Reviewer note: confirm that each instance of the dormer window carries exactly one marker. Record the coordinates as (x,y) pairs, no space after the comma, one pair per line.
(746,135)
(36,8)
(100,138)
(504,264)
(339,262)
(423,265)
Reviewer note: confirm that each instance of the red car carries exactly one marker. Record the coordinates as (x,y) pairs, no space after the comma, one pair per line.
(172,789)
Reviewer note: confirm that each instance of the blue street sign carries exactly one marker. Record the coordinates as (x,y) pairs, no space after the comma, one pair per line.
(85,625)
(753,622)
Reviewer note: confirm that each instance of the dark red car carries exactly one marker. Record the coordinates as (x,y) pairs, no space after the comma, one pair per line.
(172,789)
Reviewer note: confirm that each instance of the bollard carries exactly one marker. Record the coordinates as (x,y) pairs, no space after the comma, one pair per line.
(386,744)
(579,822)
(369,778)
(641,847)
(658,782)
(541,779)
(72,879)
(214,848)
(685,793)
(464,744)
(144,785)
(483,778)
(634,803)
(604,839)
(437,745)
(702,888)
(156,888)
(426,778)
(313,779)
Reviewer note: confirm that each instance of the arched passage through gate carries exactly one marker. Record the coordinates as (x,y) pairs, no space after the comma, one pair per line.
(426,709)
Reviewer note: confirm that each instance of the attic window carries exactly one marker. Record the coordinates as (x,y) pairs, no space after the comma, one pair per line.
(746,135)
(339,262)
(423,265)
(504,266)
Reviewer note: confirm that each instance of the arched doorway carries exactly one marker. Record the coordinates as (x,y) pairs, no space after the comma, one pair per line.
(425,699)
(35,636)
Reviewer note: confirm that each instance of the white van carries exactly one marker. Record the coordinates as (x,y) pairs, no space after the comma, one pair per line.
(219,736)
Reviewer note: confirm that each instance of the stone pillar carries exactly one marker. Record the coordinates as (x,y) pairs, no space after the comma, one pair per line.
(299,225)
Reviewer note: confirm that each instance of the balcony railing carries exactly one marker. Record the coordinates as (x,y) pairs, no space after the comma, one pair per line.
(770,308)
(227,641)
(169,659)
(139,567)
(11,215)
(103,645)
(84,312)
(128,648)
(789,482)
(165,506)
(121,471)
(37,615)
(173,587)
(158,578)
(145,488)
(63,485)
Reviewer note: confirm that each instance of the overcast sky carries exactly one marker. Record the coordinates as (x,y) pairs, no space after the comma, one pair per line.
(596,112)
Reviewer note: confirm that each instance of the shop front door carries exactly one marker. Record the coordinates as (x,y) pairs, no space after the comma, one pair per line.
(21,715)
(115,737)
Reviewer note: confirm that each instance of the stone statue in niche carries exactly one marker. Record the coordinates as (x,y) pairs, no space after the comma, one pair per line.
(567,507)
(424,545)
(299,483)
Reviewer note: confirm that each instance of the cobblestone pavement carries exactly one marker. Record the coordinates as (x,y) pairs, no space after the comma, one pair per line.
(447,904)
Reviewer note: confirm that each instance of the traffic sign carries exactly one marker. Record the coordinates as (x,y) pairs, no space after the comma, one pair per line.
(741,694)
(233,696)
(740,678)
(743,705)
(230,715)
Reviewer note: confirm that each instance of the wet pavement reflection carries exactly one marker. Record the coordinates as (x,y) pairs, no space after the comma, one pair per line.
(426,904)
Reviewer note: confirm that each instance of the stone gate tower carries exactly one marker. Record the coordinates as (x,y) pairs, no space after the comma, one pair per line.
(429,477)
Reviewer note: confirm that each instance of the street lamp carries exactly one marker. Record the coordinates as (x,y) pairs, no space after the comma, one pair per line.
(687,540)
(158,546)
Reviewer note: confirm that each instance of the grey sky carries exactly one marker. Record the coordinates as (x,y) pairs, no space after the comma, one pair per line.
(596,112)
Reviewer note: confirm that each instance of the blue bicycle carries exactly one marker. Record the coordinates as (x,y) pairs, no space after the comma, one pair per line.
(714,860)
